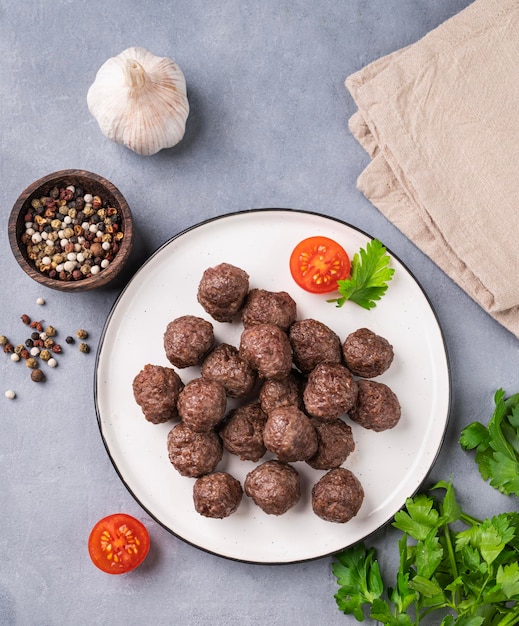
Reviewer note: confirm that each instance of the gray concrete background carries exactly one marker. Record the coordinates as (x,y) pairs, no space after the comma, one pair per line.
(268,128)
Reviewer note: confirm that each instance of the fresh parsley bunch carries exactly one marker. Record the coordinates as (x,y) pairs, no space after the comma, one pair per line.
(497,445)
(463,571)
(369,277)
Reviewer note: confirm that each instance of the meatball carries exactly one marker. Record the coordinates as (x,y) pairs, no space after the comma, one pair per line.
(268,307)
(187,339)
(377,406)
(222,291)
(337,496)
(367,354)
(274,487)
(156,390)
(313,343)
(285,392)
(335,444)
(290,434)
(193,454)
(202,404)
(330,391)
(267,349)
(225,365)
(217,495)
(242,432)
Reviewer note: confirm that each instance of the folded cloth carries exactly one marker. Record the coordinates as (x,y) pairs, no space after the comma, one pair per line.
(440,120)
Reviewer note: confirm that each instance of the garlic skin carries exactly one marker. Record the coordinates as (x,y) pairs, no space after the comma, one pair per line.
(140,101)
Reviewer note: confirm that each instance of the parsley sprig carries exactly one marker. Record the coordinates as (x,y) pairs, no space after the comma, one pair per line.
(463,571)
(368,277)
(497,445)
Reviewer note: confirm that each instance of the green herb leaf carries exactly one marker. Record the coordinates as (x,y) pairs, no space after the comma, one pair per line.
(463,571)
(507,578)
(369,277)
(419,519)
(497,445)
(358,575)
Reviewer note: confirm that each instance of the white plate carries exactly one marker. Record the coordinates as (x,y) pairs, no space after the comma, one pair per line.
(390,465)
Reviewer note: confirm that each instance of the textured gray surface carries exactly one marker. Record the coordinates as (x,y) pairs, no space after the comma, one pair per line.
(268,128)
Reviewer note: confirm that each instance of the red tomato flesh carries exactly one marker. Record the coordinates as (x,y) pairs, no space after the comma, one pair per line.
(118,543)
(317,263)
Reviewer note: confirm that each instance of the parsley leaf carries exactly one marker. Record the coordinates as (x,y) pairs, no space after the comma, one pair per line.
(497,444)
(359,577)
(452,567)
(369,277)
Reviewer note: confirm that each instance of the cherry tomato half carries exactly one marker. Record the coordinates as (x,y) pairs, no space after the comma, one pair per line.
(118,543)
(317,263)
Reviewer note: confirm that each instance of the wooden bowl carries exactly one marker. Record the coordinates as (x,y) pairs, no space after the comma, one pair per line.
(89,183)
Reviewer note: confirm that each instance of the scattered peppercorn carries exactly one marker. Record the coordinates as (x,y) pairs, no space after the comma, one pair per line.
(10,394)
(37,376)
(45,355)
(39,347)
(40,301)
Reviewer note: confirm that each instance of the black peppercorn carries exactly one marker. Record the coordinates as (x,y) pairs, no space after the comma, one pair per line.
(37,376)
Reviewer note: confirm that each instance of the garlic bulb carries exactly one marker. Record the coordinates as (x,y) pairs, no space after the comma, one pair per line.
(140,101)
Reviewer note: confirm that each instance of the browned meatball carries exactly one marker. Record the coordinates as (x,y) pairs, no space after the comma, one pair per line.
(202,404)
(242,432)
(222,291)
(367,354)
(217,495)
(274,487)
(313,343)
(377,406)
(290,434)
(187,339)
(285,392)
(225,365)
(267,349)
(335,444)
(330,391)
(337,496)
(156,389)
(193,454)
(269,307)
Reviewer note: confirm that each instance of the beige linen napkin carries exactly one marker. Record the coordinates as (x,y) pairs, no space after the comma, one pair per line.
(440,120)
